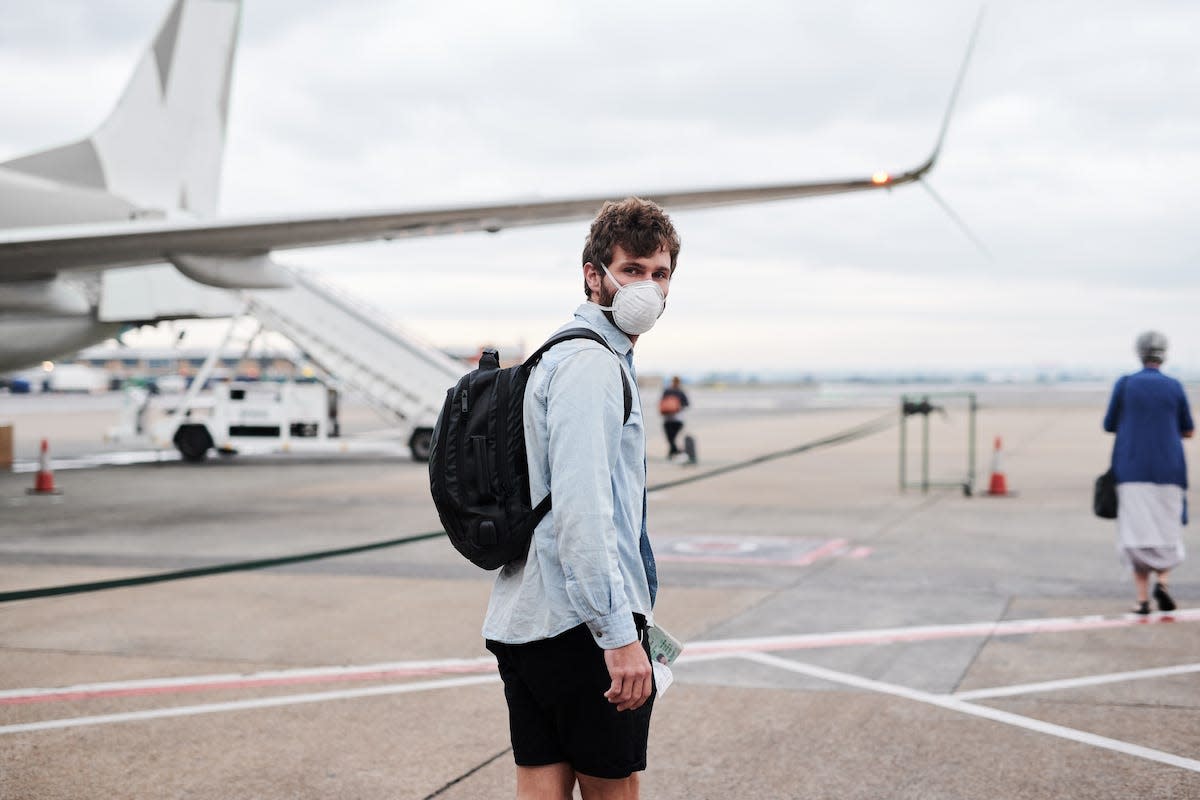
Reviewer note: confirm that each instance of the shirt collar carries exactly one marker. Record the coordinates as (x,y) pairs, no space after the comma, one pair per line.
(597,320)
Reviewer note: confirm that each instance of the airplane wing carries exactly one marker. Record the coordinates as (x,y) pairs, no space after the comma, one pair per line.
(33,253)
(235,253)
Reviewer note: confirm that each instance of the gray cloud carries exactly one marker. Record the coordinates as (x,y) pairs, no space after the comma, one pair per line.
(1071,156)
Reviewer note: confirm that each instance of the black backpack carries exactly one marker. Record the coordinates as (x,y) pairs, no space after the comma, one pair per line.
(478,472)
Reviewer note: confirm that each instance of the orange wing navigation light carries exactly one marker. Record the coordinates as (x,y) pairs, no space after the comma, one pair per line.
(880,178)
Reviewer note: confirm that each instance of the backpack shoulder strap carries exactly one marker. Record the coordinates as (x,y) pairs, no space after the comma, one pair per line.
(584,333)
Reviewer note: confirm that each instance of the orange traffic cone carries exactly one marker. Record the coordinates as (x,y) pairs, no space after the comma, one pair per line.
(43,482)
(997,486)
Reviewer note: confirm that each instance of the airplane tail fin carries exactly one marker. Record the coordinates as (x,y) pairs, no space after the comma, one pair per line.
(161,147)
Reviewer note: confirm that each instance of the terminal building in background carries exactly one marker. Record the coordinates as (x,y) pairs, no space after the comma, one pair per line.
(170,369)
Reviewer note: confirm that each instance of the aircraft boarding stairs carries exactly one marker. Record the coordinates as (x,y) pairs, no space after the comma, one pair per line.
(402,377)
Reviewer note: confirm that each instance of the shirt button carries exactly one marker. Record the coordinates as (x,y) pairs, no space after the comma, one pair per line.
(599,634)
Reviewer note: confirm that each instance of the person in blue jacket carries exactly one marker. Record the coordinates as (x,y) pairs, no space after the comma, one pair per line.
(1149,414)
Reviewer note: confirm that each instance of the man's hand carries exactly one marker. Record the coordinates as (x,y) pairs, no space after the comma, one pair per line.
(632,677)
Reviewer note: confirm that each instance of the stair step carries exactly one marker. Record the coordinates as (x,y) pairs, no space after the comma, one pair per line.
(396,373)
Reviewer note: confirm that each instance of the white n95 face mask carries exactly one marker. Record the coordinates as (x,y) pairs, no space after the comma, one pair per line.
(636,306)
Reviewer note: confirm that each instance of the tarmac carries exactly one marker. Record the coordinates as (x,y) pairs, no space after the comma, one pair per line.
(845,639)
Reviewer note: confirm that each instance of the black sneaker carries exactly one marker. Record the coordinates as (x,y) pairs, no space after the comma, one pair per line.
(1141,608)
(1165,603)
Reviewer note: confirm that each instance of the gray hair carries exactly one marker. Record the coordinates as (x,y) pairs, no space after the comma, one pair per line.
(1151,346)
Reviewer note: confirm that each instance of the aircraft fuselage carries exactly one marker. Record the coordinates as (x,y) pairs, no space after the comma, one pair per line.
(46,318)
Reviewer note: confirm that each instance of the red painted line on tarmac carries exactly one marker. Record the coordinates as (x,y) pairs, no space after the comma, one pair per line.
(934,632)
(830,548)
(136,688)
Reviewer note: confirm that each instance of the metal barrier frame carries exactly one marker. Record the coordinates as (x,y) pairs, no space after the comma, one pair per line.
(920,404)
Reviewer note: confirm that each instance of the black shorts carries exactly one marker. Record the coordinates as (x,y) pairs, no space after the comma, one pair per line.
(557,710)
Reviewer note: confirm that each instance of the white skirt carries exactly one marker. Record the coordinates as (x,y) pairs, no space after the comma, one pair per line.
(1150,526)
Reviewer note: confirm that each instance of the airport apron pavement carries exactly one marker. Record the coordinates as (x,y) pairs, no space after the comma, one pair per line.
(845,639)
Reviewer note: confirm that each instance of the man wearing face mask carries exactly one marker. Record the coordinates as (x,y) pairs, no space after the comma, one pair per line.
(567,624)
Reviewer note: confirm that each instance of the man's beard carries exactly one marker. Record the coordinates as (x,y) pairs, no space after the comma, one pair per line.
(606,294)
(605,298)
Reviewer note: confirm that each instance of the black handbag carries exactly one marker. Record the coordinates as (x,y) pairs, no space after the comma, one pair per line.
(1104,494)
(1104,497)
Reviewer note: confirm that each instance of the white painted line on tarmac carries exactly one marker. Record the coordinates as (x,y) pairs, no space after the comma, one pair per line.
(105,459)
(242,705)
(194,683)
(1075,683)
(677,553)
(923,633)
(955,704)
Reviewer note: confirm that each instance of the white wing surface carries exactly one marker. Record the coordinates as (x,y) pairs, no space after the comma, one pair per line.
(33,253)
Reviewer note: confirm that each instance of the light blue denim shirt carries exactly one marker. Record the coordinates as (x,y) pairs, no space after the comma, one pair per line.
(588,561)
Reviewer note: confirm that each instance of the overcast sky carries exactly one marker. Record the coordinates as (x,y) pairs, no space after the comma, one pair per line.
(1073,156)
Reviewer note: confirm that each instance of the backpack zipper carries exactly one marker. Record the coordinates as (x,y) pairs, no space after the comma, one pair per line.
(463,427)
(502,434)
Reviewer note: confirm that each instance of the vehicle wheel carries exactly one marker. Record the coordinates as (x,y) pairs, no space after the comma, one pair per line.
(420,443)
(193,442)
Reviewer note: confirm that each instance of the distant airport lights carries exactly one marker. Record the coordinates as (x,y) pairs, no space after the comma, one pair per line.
(880,178)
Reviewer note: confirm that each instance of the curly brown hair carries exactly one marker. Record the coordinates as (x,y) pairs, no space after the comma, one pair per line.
(639,226)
